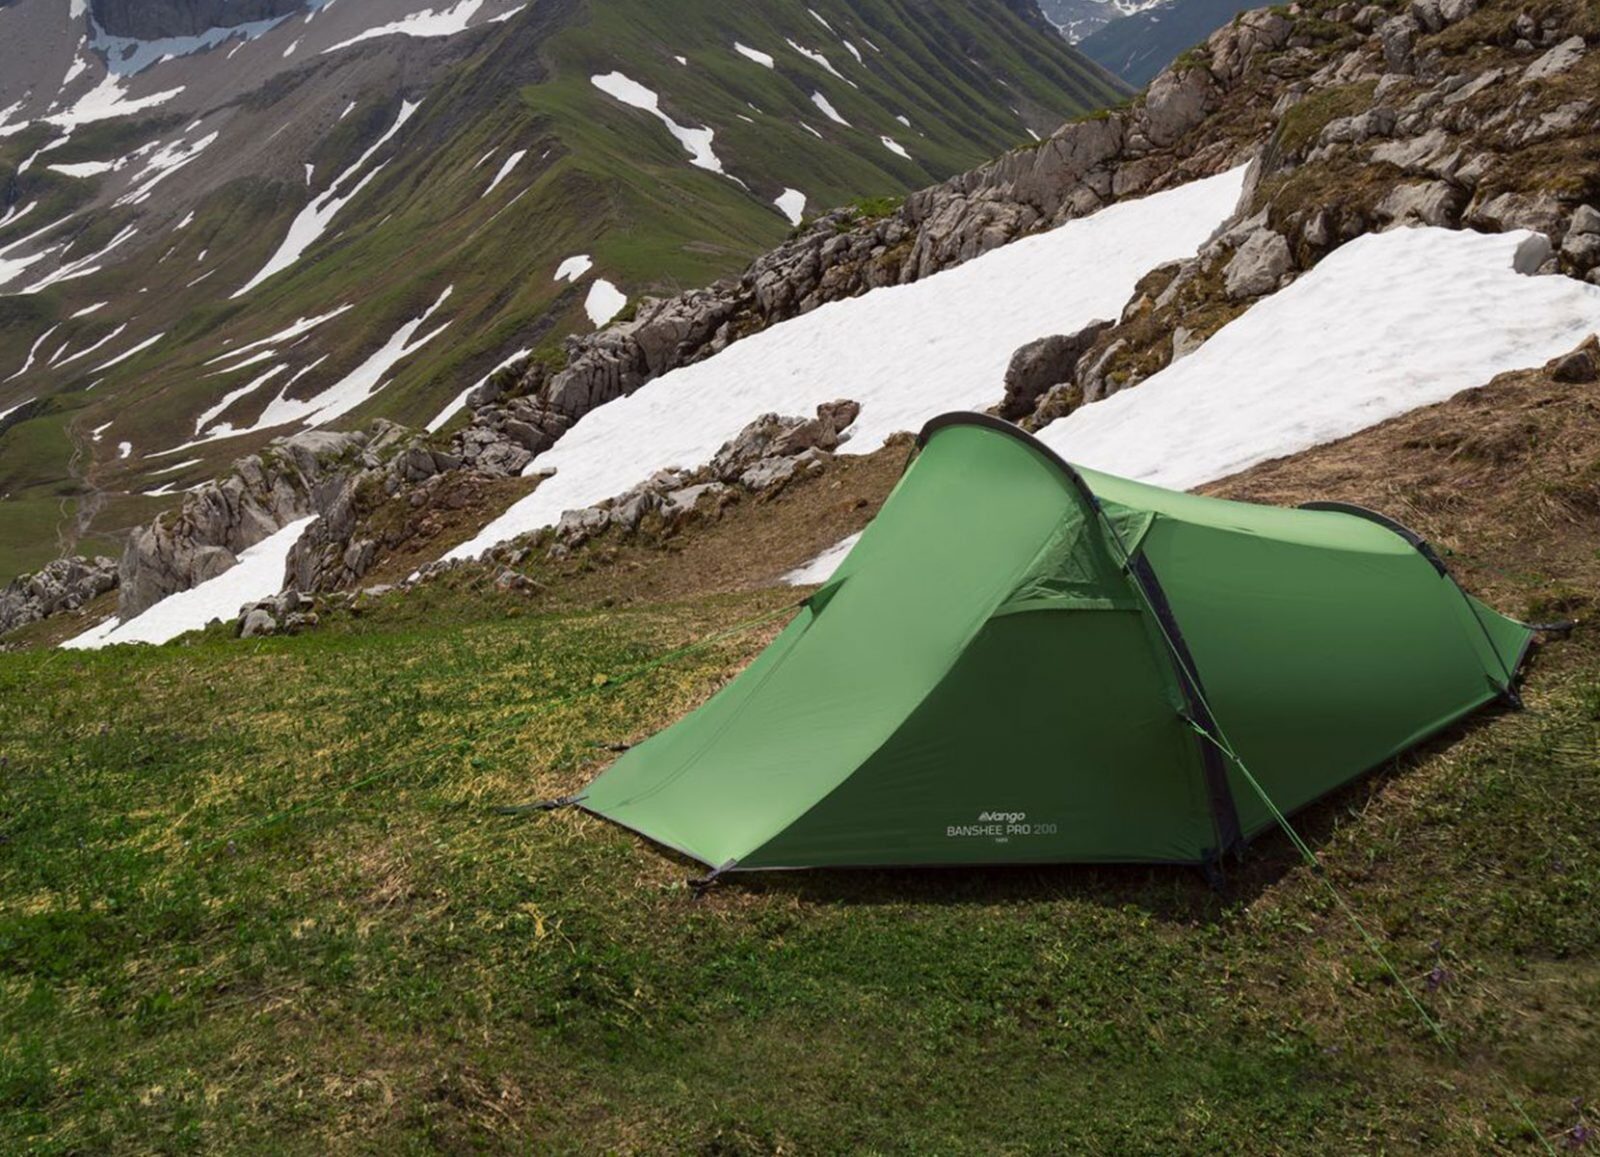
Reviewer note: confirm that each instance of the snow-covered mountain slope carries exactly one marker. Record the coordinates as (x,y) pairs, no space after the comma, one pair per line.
(1139,44)
(1077,19)
(905,353)
(176,189)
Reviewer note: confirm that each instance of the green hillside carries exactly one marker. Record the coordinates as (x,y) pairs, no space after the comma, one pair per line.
(597,177)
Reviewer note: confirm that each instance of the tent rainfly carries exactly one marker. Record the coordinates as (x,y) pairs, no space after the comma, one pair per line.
(1022,662)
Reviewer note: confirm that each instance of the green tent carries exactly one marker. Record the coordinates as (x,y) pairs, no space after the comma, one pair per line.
(1022,661)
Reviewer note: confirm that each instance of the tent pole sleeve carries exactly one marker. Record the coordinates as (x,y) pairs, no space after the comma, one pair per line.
(1224,813)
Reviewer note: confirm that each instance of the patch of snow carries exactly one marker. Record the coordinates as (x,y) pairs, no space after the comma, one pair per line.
(484,158)
(202,423)
(188,218)
(895,147)
(124,449)
(792,204)
(459,402)
(426,23)
(1384,324)
(604,302)
(818,18)
(82,267)
(762,58)
(852,50)
(13,214)
(505,169)
(348,109)
(175,467)
(257,575)
(288,52)
(33,352)
(828,110)
(904,352)
(683,60)
(87,310)
(573,268)
(821,568)
(9,410)
(822,61)
(81,169)
(107,340)
(291,331)
(95,434)
(358,385)
(126,354)
(312,221)
(630,92)
(903,121)
(108,99)
(811,130)
(162,164)
(254,359)
(7,125)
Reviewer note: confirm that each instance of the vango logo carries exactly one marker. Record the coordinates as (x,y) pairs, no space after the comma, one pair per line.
(1002,817)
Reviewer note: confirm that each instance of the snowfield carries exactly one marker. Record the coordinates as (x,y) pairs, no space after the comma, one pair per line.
(1390,322)
(257,575)
(905,352)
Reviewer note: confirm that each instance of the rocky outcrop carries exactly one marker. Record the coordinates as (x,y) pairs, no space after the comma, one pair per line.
(291,478)
(1042,365)
(63,585)
(289,612)
(761,460)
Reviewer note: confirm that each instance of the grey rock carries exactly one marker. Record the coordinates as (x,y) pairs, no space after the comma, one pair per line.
(1558,60)
(1532,254)
(1582,250)
(1585,220)
(1507,211)
(1398,36)
(1258,265)
(1184,342)
(1581,365)
(1175,103)
(1433,203)
(1043,363)
(257,623)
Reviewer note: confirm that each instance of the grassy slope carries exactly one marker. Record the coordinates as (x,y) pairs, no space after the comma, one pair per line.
(255,895)
(598,177)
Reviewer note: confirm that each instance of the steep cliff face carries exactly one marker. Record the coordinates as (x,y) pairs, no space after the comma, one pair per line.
(160,19)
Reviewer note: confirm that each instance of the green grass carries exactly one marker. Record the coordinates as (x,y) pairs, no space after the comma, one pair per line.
(255,896)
